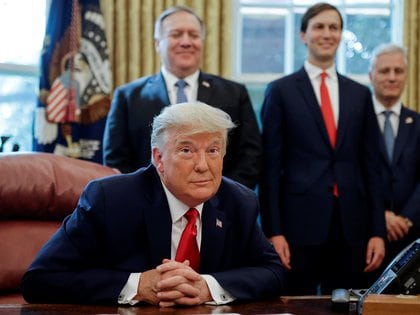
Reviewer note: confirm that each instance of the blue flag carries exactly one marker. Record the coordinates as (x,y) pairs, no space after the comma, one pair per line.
(75,82)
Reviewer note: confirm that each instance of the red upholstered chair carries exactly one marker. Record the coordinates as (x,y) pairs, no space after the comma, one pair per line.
(37,190)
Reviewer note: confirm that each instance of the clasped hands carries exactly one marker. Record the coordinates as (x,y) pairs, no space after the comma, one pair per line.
(172,283)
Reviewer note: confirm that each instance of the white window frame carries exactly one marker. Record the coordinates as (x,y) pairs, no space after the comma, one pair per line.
(396,6)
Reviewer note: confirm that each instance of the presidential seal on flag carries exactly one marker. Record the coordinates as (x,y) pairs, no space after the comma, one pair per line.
(76,91)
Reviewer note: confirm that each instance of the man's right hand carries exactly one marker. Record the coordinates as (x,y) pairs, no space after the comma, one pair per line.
(282,248)
(147,289)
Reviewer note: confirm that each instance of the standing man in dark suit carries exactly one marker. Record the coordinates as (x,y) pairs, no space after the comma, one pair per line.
(400,157)
(179,36)
(320,204)
(123,242)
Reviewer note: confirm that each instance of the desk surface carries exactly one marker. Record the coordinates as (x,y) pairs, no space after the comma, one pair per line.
(289,305)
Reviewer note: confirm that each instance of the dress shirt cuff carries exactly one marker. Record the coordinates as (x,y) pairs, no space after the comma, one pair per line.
(130,290)
(219,295)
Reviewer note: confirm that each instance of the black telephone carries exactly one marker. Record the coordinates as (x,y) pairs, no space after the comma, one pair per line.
(402,275)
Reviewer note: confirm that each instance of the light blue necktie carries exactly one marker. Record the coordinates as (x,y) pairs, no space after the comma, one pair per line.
(180,94)
(389,137)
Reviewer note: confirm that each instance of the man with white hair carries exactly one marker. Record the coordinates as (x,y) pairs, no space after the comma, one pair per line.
(174,233)
(400,147)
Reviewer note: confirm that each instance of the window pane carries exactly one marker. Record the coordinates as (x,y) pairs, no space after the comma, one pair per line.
(299,47)
(364,33)
(262,43)
(17,103)
(22,27)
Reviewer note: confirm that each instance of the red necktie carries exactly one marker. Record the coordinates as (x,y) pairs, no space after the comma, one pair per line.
(327,113)
(187,247)
(326,109)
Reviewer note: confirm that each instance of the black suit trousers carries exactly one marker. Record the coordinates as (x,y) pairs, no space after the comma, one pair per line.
(321,268)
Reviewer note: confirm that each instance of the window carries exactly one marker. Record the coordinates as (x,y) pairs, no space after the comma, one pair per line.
(19,59)
(268,43)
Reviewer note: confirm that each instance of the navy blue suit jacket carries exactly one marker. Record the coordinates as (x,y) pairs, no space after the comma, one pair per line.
(401,178)
(300,166)
(122,225)
(128,126)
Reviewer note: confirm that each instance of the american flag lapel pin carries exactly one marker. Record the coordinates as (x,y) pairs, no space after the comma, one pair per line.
(409,120)
(219,223)
(206,84)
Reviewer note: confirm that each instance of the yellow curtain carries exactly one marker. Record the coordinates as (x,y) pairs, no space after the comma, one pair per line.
(130,25)
(411,96)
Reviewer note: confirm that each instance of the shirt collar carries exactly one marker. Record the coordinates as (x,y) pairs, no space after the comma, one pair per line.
(176,207)
(171,79)
(314,72)
(379,108)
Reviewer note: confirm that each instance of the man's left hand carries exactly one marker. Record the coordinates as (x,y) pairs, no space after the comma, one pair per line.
(397,226)
(181,285)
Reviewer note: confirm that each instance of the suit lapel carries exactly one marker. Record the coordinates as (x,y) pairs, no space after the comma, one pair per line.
(306,90)
(204,88)
(158,215)
(214,227)
(158,91)
(404,128)
(344,109)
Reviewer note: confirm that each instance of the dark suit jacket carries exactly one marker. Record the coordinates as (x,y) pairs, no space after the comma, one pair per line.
(128,126)
(122,225)
(401,178)
(300,166)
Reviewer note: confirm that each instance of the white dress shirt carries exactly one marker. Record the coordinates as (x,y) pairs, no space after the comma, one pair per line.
(177,210)
(331,81)
(394,117)
(190,90)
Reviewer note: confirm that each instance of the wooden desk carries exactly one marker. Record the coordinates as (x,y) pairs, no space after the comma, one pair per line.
(290,305)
